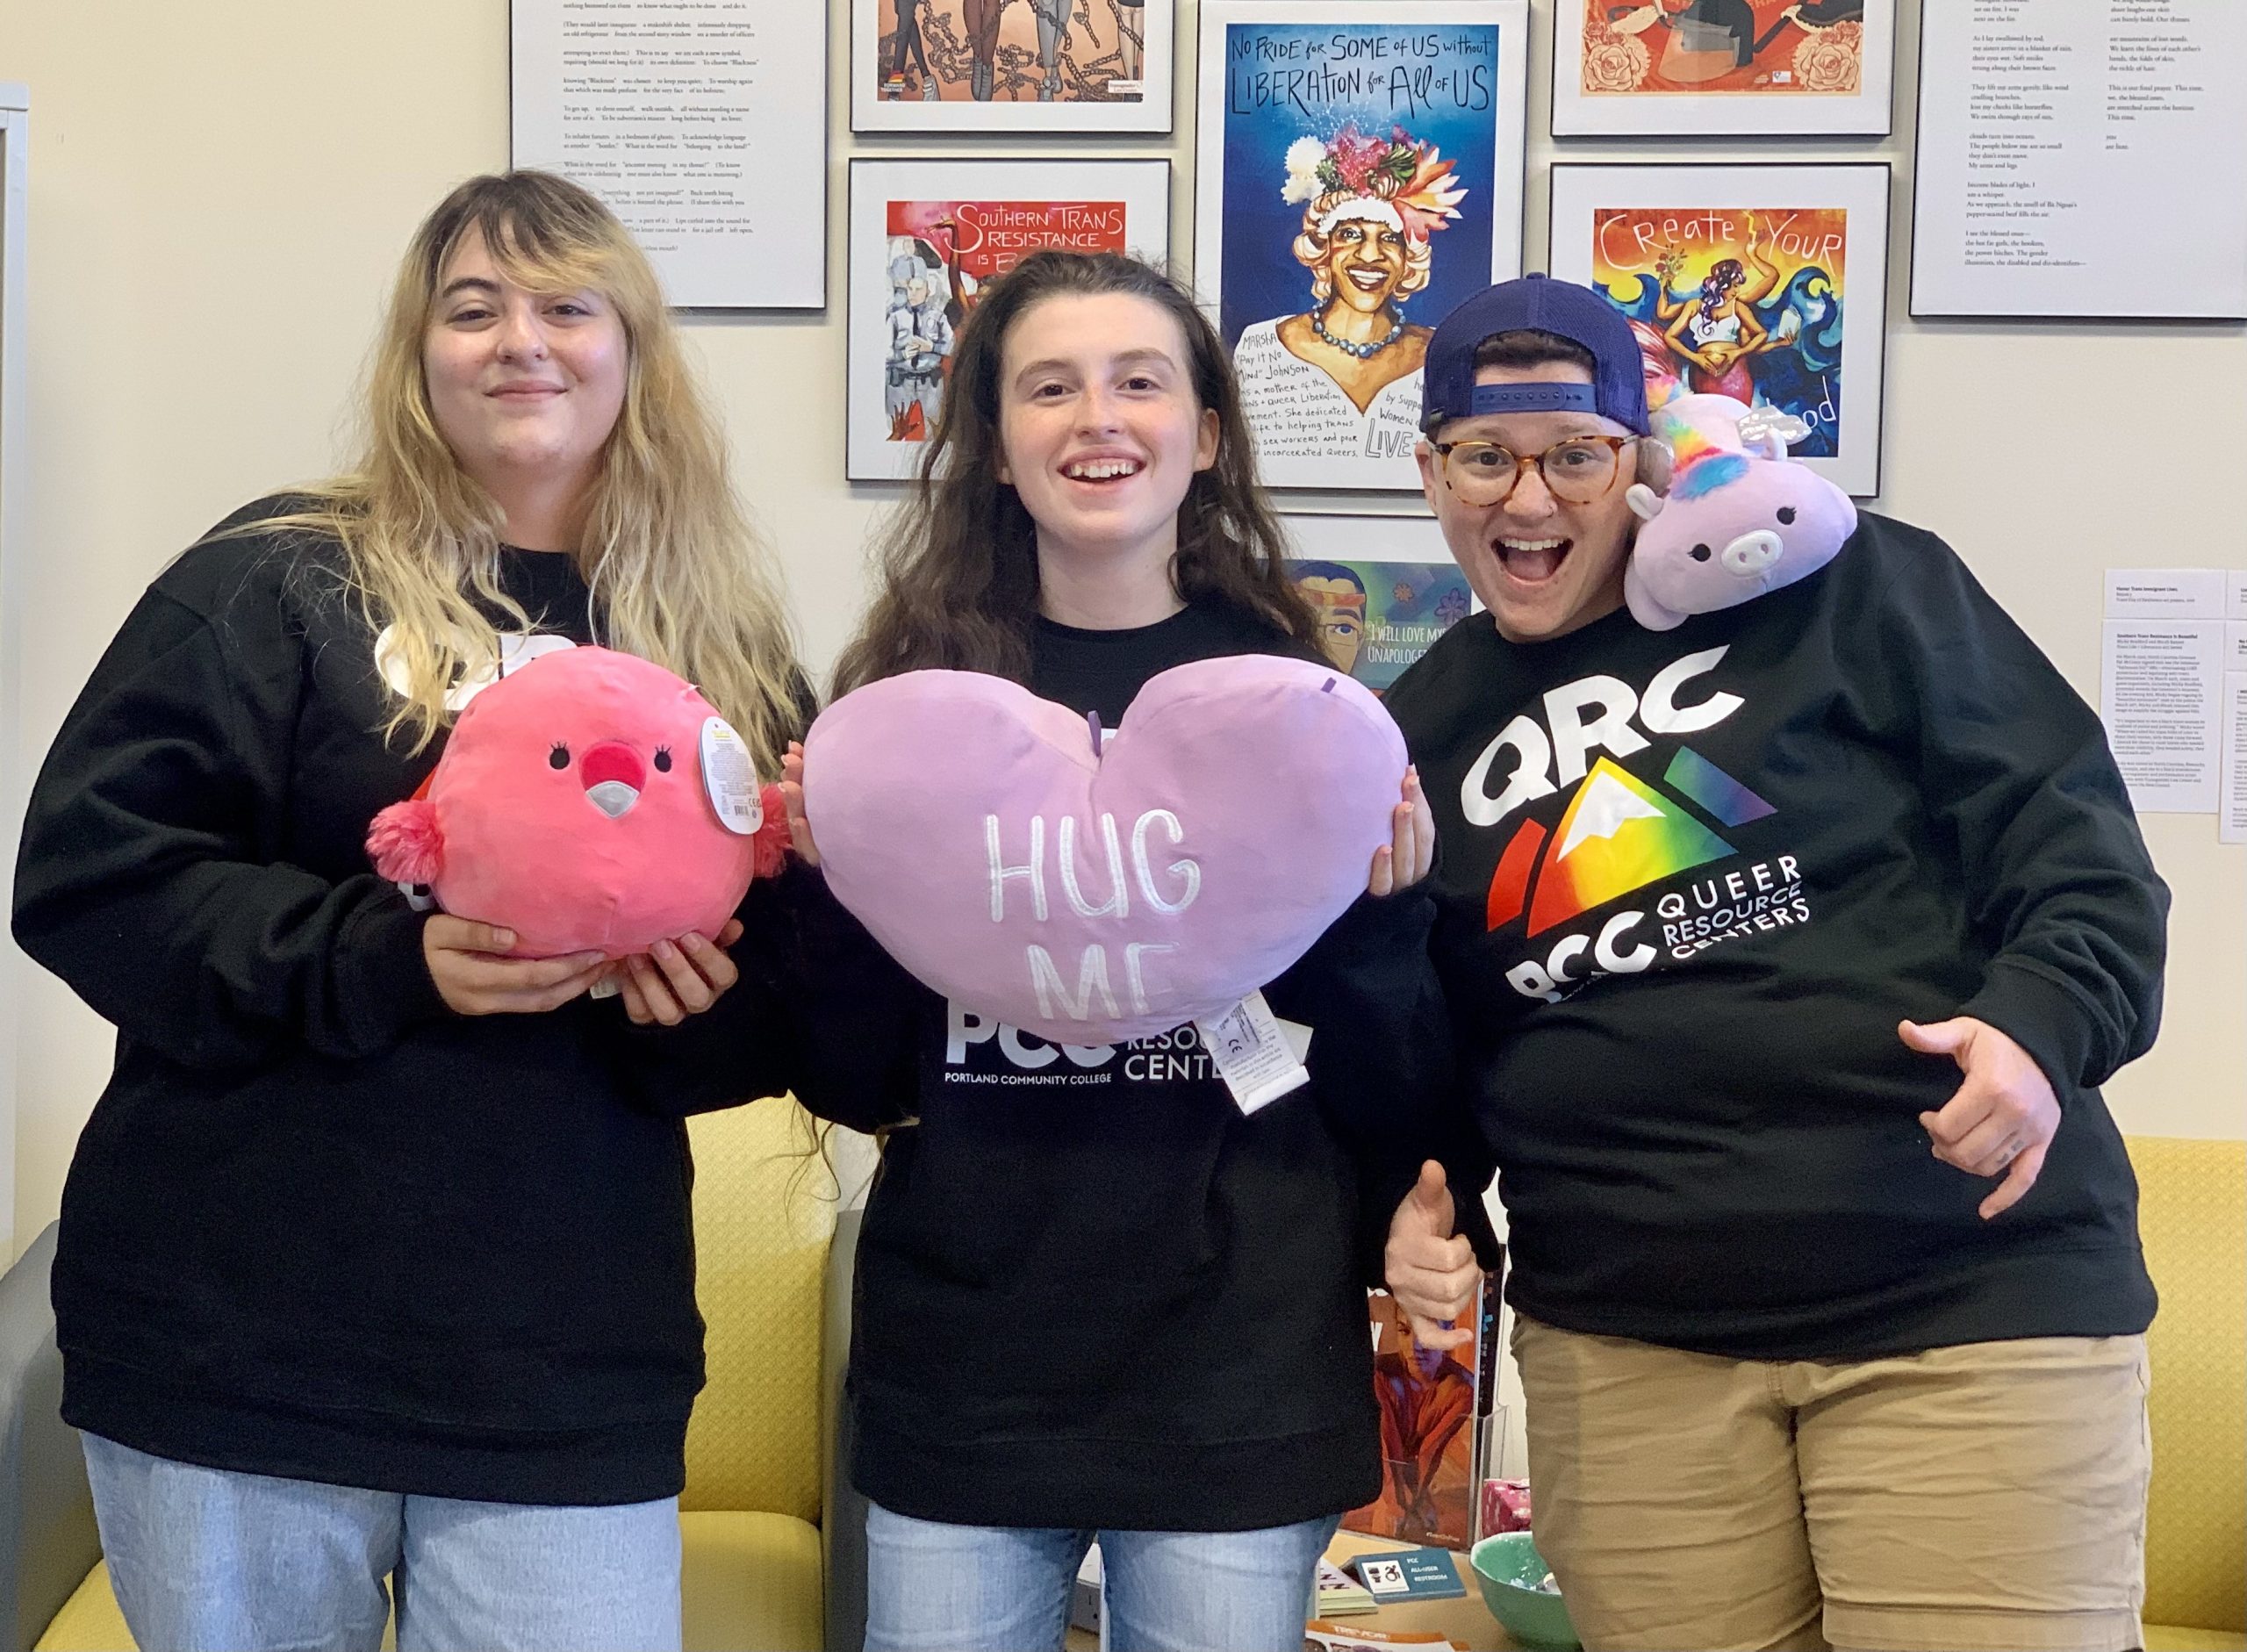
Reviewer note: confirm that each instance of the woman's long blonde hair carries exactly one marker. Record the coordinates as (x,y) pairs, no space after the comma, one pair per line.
(677,574)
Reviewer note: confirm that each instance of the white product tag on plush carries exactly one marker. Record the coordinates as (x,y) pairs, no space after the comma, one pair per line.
(607,987)
(1759,424)
(731,778)
(420,896)
(1254,1055)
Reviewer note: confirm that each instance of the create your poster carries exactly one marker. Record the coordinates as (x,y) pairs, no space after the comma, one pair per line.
(1356,179)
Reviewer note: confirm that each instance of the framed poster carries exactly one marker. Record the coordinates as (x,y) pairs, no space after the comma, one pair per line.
(1764,282)
(697,126)
(2087,169)
(1383,588)
(925,235)
(1720,68)
(1357,172)
(992,66)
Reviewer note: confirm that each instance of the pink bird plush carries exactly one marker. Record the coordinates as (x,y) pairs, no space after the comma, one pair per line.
(588,801)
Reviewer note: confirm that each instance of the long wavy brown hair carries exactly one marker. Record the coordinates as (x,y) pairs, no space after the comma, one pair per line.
(959,559)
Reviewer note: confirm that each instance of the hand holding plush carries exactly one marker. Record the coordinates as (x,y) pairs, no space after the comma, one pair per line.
(589,801)
(1091,888)
(1741,517)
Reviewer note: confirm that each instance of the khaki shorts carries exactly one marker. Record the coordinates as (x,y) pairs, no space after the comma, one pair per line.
(1990,1496)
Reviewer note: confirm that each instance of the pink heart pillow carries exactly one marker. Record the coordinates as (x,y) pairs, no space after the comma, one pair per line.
(1088,894)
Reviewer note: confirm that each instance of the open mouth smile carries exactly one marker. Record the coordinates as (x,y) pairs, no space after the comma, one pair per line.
(1531,561)
(1107,470)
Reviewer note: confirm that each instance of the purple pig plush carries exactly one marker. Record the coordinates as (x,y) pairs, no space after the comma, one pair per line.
(1741,517)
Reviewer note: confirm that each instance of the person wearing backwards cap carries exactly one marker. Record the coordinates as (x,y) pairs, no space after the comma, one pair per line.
(1786,952)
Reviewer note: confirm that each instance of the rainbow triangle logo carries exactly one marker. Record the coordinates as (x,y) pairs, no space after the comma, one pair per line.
(1619,834)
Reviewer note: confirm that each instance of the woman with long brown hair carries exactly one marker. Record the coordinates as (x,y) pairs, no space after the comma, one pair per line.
(1093,1297)
(372,1281)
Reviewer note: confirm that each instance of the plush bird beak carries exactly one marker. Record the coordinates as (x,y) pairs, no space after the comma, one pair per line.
(614,777)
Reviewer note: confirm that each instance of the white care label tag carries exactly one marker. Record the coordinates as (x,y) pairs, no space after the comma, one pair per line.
(1762,424)
(1255,1056)
(731,778)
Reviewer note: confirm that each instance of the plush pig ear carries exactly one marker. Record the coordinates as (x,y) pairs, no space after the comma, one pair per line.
(404,843)
(1645,503)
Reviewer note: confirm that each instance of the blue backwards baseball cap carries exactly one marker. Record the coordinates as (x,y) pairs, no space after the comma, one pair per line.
(1578,314)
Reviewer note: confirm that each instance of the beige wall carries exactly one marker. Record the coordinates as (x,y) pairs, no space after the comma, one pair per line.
(219,193)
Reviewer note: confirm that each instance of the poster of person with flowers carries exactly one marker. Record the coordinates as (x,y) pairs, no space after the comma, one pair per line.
(1730,68)
(1355,180)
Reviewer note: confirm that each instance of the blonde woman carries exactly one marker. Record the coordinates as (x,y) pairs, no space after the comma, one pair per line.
(369,1278)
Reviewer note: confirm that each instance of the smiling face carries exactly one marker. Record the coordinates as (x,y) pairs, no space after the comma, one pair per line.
(1100,431)
(525,387)
(1365,261)
(1543,567)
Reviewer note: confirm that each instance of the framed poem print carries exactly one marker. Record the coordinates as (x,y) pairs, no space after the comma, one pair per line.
(701,133)
(925,235)
(1383,588)
(2087,167)
(1357,172)
(1722,68)
(1764,282)
(1050,66)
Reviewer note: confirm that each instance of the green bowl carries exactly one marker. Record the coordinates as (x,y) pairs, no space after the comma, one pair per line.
(1508,1566)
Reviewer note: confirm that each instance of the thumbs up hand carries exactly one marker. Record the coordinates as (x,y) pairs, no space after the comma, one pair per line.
(1431,1271)
(2002,1118)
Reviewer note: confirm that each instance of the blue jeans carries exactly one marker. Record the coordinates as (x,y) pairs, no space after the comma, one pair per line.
(204,1560)
(933,1587)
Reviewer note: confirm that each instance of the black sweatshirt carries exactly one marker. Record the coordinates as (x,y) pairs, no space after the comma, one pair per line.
(318,1225)
(1090,1292)
(1690,882)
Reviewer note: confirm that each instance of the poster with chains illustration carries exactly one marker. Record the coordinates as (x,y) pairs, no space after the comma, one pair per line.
(926,236)
(1358,172)
(1010,65)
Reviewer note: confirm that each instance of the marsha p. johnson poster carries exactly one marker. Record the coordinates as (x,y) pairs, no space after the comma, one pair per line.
(1358,173)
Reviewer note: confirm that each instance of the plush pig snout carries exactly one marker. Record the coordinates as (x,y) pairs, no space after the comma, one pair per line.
(1752,553)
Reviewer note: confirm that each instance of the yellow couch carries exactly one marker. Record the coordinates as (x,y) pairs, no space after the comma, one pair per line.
(2193,1217)
(756,1453)
(763,1503)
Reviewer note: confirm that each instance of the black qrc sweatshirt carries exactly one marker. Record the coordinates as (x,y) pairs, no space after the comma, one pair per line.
(1090,1292)
(1690,882)
(318,1225)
